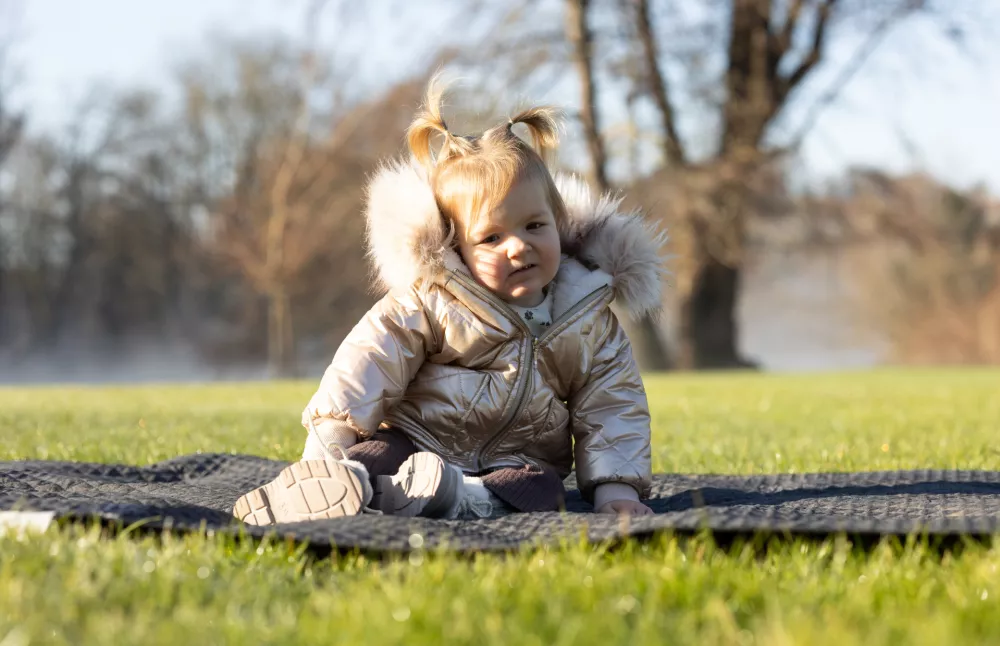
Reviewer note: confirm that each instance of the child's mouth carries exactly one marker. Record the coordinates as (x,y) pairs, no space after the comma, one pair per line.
(522,269)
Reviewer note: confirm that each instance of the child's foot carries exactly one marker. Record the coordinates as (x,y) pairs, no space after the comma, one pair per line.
(426,486)
(423,486)
(307,490)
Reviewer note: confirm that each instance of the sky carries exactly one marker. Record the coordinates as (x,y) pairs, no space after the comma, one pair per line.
(942,100)
(920,103)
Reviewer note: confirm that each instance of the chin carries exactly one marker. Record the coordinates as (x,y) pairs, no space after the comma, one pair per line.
(520,294)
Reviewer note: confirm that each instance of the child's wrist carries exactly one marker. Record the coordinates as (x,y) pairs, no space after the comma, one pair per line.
(344,436)
(334,432)
(611,491)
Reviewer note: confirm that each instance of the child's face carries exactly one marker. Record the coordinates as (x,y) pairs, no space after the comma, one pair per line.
(514,251)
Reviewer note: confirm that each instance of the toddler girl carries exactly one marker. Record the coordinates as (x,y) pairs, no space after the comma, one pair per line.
(494,360)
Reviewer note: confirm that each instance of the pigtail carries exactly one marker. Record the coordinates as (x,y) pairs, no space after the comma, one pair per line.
(428,122)
(469,175)
(543,125)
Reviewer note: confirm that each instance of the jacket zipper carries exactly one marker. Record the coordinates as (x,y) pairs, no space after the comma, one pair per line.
(522,387)
(584,303)
(529,356)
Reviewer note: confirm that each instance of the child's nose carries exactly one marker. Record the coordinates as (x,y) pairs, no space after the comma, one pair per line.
(516,246)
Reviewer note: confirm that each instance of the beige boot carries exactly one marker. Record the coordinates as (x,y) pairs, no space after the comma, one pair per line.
(423,486)
(426,486)
(308,490)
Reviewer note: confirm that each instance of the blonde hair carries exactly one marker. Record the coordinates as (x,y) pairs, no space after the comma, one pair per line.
(470,175)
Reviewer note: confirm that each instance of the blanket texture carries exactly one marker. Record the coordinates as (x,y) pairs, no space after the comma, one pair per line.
(197,491)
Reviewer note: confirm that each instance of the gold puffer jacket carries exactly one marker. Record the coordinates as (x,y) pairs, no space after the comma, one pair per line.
(450,364)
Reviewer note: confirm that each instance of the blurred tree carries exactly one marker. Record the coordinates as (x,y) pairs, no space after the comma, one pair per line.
(97,227)
(732,72)
(930,262)
(281,154)
(648,346)
(773,47)
(11,126)
(229,225)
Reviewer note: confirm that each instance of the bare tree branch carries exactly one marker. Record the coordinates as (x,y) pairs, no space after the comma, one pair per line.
(812,57)
(581,39)
(657,85)
(853,66)
(295,148)
(783,40)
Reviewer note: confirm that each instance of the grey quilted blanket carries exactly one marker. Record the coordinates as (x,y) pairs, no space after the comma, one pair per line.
(197,491)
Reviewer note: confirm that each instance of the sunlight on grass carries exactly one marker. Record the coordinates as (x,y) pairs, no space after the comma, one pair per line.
(73,585)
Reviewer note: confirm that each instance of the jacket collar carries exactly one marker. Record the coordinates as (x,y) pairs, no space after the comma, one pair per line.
(408,241)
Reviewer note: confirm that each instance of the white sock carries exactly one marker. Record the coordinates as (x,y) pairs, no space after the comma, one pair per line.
(313,450)
(472,488)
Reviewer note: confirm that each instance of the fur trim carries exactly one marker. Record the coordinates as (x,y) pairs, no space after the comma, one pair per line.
(406,235)
(625,245)
(409,241)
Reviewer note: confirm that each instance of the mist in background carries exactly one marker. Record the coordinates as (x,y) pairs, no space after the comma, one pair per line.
(181,184)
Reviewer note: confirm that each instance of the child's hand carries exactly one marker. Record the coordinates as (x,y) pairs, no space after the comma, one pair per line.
(625,508)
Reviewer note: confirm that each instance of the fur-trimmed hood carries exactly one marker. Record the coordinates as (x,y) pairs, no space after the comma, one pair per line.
(460,375)
(408,240)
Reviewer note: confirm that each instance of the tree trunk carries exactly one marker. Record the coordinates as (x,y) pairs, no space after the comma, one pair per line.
(647,345)
(656,83)
(280,337)
(580,37)
(64,301)
(709,326)
(4,308)
(709,330)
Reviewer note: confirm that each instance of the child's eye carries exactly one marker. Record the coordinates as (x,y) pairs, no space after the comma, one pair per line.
(535,225)
(490,239)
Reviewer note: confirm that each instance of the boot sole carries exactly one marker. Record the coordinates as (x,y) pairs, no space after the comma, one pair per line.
(306,490)
(423,486)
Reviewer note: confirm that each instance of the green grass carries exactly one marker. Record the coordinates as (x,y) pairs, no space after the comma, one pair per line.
(73,585)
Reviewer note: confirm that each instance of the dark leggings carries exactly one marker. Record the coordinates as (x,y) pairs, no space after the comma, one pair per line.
(528,488)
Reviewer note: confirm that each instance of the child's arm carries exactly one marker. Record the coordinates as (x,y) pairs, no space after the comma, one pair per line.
(371,370)
(610,421)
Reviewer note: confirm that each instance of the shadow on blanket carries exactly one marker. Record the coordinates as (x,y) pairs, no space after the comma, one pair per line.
(720,497)
(196,492)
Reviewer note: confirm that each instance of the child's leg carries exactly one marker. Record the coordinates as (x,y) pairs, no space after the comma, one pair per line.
(497,493)
(528,488)
(383,453)
(406,482)
(385,471)
(313,450)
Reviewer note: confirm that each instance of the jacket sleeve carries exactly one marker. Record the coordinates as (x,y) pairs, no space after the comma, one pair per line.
(371,369)
(610,416)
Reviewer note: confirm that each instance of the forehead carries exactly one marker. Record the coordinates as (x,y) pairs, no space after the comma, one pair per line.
(527,198)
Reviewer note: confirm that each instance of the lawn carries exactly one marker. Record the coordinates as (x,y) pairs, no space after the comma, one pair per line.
(71,585)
